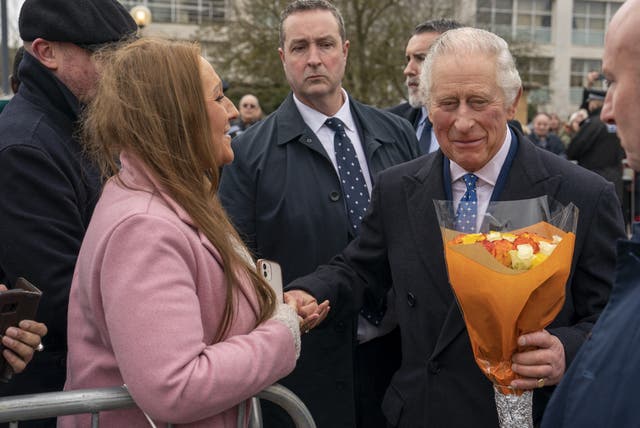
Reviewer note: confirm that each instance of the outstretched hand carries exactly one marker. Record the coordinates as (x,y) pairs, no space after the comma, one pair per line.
(310,312)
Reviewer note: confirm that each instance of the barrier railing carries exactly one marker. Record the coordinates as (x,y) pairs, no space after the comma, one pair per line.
(52,404)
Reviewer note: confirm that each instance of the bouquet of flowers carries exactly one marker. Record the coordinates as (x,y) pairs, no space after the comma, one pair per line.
(509,280)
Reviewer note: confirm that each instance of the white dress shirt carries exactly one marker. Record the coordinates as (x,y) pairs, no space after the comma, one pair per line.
(487,178)
(315,120)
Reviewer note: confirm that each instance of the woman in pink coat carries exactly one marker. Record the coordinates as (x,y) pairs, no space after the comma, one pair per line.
(165,297)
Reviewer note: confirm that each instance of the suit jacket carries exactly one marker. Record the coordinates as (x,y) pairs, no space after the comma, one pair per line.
(284,196)
(405,110)
(145,306)
(438,383)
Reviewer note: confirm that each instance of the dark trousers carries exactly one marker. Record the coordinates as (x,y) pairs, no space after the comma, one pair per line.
(375,363)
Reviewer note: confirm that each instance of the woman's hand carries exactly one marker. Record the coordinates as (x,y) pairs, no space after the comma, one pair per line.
(310,313)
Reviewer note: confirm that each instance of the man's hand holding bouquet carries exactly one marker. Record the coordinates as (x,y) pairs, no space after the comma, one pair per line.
(509,281)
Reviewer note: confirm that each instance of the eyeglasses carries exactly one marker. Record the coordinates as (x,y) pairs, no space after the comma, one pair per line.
(248,106)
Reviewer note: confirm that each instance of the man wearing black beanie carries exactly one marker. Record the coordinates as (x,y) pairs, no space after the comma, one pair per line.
(48,188)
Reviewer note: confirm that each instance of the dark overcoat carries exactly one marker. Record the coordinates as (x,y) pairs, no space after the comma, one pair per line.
(48,190)
(599,390)
(439,383)
(284,196)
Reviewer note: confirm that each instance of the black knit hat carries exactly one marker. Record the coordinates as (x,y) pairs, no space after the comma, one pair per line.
(87,23)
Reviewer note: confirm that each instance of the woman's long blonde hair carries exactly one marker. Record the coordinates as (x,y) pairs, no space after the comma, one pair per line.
(150,102)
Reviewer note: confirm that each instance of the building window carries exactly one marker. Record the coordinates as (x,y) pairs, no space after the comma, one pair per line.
(183,11)
(579,70)
(590,21)
(535,74)
(519,20)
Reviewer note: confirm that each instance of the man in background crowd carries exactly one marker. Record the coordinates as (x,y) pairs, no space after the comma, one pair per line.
(596,145)
(542,136)
(249,113)
(414,111)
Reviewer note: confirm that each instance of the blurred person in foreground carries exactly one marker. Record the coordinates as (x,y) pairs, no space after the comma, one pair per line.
(250,113)
(48,187)
(600,388)
(472,88)
(165,297)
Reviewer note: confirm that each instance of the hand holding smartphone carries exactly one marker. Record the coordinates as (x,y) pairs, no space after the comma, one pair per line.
(272,273)
(17,304)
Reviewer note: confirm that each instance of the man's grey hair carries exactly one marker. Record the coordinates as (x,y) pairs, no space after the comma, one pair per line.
(307,5)
(469,40)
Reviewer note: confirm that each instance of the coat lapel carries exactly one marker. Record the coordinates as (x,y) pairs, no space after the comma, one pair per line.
(291,127)
(421,189)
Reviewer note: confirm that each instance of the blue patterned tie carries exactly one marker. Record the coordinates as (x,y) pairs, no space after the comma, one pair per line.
(356,196)
(424,142)
(467,212)
(354,187)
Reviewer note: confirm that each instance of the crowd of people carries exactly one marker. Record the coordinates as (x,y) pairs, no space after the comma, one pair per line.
(137,198)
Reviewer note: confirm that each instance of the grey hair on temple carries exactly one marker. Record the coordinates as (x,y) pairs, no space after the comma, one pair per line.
(469,40)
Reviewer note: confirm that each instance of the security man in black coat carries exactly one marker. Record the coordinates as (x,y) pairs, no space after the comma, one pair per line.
(286,196)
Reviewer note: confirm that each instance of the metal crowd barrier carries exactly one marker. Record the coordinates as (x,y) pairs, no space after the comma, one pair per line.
(52,404)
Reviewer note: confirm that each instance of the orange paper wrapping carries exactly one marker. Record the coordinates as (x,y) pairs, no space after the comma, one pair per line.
(500,304)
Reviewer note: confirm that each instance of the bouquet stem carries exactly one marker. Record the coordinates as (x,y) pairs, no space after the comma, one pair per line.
(514,411)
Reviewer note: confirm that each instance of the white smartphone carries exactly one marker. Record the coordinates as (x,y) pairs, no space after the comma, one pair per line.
(272,273)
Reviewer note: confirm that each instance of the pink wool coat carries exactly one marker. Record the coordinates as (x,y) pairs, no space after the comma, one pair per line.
(146,302)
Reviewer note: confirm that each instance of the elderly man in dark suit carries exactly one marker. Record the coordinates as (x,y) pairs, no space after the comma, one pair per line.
(472,89)
(414,111)
(297,201)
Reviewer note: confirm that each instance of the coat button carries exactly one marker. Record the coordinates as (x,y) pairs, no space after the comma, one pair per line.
(434,367)
(334,196)
(341,385)
(339,327)
(411,299)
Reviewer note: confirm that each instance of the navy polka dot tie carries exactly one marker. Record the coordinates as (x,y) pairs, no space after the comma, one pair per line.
(467,211)
(354,188)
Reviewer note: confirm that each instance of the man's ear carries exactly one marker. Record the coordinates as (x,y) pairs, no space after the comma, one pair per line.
(46,52)
(511,110)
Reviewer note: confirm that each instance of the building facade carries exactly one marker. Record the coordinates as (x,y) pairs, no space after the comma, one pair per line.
(561,41)
(556,42)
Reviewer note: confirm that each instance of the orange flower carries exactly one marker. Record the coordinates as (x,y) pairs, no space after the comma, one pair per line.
(520,251)
(500,303)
